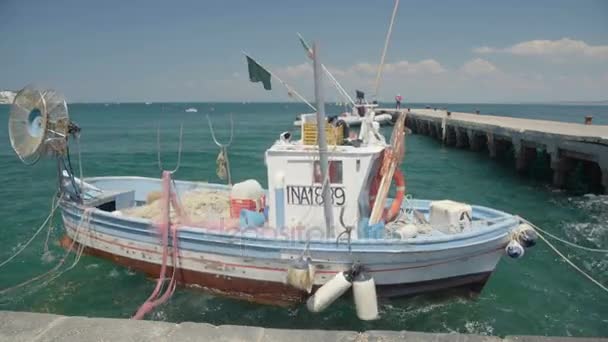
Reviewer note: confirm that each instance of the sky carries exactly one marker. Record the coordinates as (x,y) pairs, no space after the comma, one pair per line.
(191,50)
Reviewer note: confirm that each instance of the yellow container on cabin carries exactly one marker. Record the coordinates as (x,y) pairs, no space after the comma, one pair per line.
(333,134)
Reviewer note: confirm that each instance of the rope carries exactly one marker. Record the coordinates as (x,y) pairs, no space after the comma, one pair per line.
(573,265)
(156,298)
(23,247)
(595,250)
(49,231)
(85,218)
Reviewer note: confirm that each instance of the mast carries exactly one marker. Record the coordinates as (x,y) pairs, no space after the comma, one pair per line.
(339,87)
(388,38)
(321,140)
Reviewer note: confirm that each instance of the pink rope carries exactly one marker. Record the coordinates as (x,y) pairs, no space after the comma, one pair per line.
(168,198)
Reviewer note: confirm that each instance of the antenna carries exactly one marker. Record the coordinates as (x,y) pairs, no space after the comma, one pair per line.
(39,124)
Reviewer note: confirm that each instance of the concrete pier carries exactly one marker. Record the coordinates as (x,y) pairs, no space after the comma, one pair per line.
(35,327)
(566,143)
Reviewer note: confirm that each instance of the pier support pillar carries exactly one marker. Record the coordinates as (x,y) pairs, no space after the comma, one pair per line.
(411,124)
(491,145)
(474,144)
(605,180)
(450,136)
(460,137)
(523,155)
(561,166)
(437,130)
(520,161)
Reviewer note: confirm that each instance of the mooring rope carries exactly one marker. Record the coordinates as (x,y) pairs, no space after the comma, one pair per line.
(85,218)
(573,265)
(44,224)
(566,259)
(595,250)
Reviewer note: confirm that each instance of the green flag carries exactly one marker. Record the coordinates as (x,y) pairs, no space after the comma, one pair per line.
(258,74)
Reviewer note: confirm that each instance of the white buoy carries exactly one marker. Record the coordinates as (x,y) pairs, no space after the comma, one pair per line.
(328,293)
(366,301)
(514,249)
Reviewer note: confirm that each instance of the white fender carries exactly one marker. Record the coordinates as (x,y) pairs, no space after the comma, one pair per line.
(328,293)
(366,301)
(515,250)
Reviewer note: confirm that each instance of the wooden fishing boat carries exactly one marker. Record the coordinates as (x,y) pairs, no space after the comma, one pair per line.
(252,263)
(324,223)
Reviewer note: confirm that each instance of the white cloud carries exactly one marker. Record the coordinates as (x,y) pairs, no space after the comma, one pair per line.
(295,71)
(484,50)
(477,79)
(551,48)
(477,67)
(425,66)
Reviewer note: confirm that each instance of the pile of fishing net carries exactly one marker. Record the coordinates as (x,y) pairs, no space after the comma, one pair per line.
(198,205)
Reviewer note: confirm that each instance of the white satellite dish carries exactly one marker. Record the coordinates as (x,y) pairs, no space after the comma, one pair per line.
(38,124)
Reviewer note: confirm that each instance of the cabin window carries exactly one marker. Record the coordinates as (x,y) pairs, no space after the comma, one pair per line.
(335,172)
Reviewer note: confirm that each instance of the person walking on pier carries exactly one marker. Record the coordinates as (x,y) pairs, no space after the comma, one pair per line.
(398,99)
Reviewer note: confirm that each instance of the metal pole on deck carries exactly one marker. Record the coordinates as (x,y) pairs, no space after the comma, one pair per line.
(322,142)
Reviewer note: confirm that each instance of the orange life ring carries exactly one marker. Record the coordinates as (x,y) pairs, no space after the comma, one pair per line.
(393,211)
(399,180)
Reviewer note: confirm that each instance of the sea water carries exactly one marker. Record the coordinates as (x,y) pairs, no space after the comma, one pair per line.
(538,294)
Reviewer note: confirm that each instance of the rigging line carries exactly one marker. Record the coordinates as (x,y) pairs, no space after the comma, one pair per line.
(22,248)
(339,87)
(573,265)
(86,216)
(50,226)
(179,148)
(386,41)
(289,88)
(595,250)
(224,147)
(213,132)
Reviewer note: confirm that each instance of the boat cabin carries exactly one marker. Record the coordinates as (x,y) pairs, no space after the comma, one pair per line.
(295,181)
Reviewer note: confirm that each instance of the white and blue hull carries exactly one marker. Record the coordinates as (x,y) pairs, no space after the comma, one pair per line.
(242,264)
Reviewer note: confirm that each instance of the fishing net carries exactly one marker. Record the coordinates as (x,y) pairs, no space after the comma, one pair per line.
(199,205)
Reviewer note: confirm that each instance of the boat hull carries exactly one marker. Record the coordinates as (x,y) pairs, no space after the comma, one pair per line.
(273,293)
(258,273)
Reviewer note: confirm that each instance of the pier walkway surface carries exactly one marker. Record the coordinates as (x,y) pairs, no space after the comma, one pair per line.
(25,326)
(566,144)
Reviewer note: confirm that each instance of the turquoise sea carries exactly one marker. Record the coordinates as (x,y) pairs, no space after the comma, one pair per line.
(539,294)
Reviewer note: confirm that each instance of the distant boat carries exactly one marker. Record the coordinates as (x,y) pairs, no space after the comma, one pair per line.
(354,119)
(191,110)
(148,103)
